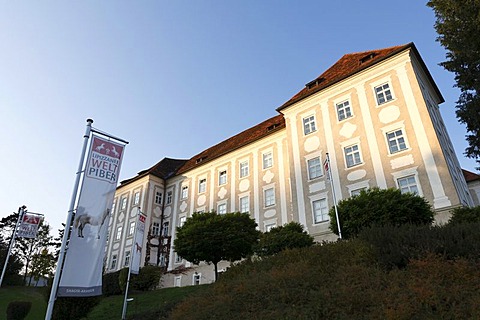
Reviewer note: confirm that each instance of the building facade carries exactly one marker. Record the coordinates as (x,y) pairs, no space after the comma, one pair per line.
(374,113)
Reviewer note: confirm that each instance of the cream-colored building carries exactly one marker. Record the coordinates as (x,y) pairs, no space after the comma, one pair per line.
(375,114)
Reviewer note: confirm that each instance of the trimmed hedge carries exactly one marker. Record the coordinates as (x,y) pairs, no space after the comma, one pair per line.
(18,310)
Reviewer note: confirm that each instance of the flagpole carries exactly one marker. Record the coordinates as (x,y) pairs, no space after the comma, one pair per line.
(21,211)
(56,279)
(330,177)
(132,256)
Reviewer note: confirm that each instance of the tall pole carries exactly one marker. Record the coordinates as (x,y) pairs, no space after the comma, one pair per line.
(21,211)
(132,256)
(58,271)
(330,177)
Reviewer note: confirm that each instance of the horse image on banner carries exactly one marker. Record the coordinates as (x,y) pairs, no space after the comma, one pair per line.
(82,218)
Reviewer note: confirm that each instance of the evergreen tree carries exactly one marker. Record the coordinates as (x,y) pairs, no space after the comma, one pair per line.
(458,27)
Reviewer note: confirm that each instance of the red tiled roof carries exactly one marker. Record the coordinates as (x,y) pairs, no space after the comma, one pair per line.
(164,169)
(347,66)
(470,176)
(242,139)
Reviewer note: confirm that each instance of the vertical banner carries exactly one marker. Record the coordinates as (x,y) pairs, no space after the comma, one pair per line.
(82,270)
(138,245)
(326,167)
(28,227)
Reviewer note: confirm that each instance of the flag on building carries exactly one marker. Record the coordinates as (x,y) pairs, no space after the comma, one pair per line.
(138,245)
(28,227)
(82,271)
(326,168)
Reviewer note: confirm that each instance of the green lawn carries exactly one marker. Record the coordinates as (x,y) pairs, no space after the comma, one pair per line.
(39,304)
(153,304)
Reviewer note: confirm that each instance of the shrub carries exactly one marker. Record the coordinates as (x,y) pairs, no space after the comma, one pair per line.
(18,310)
(378,207)
(110,284)
(147,279)
(465,215)
(73,308)
(288,236)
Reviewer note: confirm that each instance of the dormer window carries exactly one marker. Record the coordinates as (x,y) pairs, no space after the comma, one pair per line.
(314,83)
(200,159)
(368,57)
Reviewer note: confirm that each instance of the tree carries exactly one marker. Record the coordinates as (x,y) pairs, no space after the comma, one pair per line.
(380,207)
(288,236)
(43,265)
(212,237)
(12,273)
(458,26)
(465,215)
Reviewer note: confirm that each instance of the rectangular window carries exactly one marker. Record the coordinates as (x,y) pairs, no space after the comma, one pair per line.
(131,230)
(119,233)
(185,192)
(202,185)
(222,177)
(269,227)
(113,206)
(244,204)
(383,93)
(267,160)
(162,260)
(169,197)
(269,197)
(177,281)
(182,221)
(320,211)
(408,184)
(314,168)
(136,198)
(156,229)
(166,226)
(178,259)
(158,197)
(124,203)
(196,279)
(352,155)
(396,141)
(309,125)
(356,192)
(222,208)
(113,264)
(343,110)
(244,169)
(127,259)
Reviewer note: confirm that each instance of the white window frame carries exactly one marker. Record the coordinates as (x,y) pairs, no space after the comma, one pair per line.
(158,197)
(242,205)
(113,206)
(267,160)
(222,208)
(202,185)
(406,173)
(118,235)
(184,192)
(351,155)
(136,198)
(244,169)
(396,140)
(177,281)
(269,226)
(156,228)
(196,276)
(269,199)
(181,221)
(362,185)
(113,263)
(165,228)
(222,177)
(322,214)
(345,108)
(382,94)
(126,261)
(169,197)
(318,169)
(123,203)
(131,229)
(309,124)
(178,259)
(412,176)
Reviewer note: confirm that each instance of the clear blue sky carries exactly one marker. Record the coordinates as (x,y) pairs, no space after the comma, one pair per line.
(172,77)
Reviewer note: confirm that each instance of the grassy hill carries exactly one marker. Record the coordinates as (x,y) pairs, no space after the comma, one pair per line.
(386,273)
(32,294)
